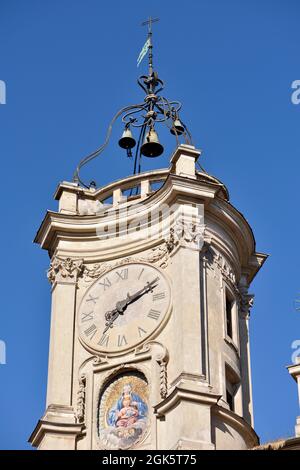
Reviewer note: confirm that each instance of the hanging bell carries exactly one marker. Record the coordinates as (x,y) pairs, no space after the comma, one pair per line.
(127,141)
(177,127)
(151,146)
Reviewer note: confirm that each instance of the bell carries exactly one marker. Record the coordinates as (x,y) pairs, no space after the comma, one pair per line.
(127,141)
(151,146)
(178,127)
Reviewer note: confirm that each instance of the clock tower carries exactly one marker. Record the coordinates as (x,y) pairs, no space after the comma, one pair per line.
(149,340)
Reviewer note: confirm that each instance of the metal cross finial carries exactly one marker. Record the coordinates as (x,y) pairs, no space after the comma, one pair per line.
(150,56)
(149,23)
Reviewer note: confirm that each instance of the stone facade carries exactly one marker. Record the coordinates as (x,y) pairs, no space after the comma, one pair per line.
(188,384)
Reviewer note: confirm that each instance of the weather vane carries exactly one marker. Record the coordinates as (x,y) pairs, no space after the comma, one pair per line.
(156,109)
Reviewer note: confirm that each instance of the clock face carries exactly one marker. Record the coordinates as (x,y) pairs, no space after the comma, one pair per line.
(123,307)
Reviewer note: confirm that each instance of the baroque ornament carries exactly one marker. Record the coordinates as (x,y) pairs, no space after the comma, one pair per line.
(64,269)
(246,301)
(159,254)
(189,234)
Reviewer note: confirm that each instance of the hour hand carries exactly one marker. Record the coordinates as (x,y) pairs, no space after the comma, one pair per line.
(110,317)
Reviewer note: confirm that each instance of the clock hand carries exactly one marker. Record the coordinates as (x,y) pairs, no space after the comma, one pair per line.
(110,317)
(121,306)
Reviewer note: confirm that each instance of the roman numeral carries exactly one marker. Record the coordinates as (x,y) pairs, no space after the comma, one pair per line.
(91,331)
(141,331)
(92,299)
(140,275)
(105,283)
(158,296)
(121,341)
(104,341)
(122,274)
(154,314)
(87,316)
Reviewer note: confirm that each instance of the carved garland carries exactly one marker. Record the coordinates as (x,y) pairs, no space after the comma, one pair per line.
(183,233)
(163,378)
(80,415)
(158,254)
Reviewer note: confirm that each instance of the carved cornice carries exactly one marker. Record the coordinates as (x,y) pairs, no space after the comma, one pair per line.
(186,392)
(57,226)
(54,428)
(64,269)
(58,420)
(238,423)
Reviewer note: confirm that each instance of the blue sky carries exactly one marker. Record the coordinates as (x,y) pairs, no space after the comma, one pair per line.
(69,65)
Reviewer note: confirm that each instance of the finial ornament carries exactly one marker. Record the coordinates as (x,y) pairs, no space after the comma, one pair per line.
(149,22)
(155,109)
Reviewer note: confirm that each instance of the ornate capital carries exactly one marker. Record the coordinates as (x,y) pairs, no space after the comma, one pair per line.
(246,302)
(64,270)
(189,234)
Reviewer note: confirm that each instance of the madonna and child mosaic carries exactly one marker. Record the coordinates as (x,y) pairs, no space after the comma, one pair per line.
(123,412)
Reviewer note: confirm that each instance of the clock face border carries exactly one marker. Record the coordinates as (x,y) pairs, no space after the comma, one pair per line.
(121,351)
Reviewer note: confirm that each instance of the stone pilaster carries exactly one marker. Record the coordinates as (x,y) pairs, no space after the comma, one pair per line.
(63,275)
(246,303)
(58,428)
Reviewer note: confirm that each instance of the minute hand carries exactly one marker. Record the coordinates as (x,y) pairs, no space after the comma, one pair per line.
(131,298)
(122,304)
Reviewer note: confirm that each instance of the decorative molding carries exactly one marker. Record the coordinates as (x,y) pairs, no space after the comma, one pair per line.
(238,423)
(99,360)
(98,269)
(196,378)
(114,371)
(188,234)
(159,254)
(80,415)
(186,392)
(64,269)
